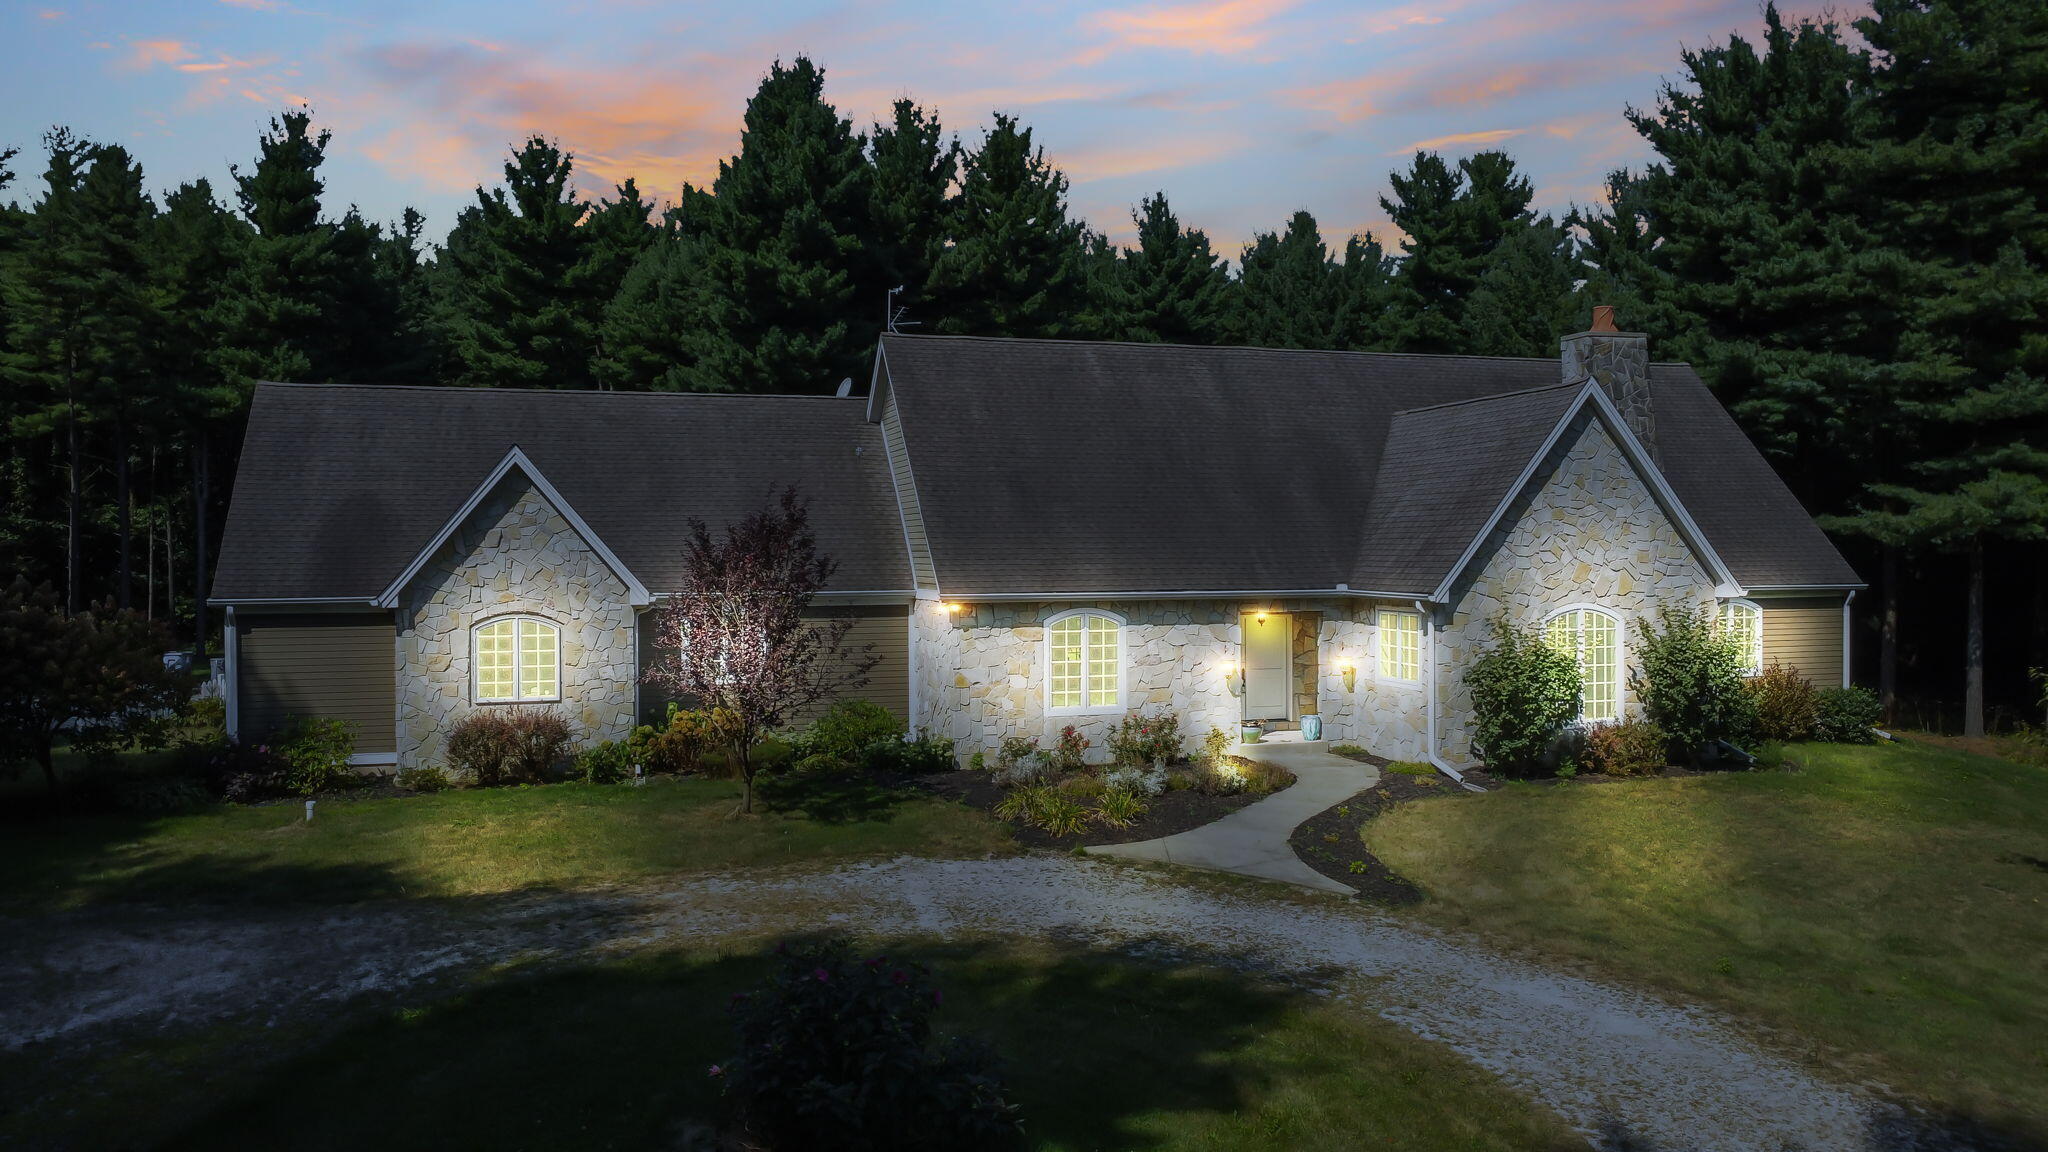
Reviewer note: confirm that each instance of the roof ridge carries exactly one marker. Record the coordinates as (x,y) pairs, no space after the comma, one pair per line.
(498,390)
(1491,396)
(1215,347)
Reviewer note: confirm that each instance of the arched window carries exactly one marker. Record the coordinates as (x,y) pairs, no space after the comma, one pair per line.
(1593,638)
(1744,622)
(517,659)
(1084,662)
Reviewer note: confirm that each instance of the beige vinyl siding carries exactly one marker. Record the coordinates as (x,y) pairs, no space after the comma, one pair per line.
(921,568)
(341,666)
(1805,633)
(886,626)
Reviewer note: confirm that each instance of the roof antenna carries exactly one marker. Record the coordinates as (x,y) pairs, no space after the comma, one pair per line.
(892,316)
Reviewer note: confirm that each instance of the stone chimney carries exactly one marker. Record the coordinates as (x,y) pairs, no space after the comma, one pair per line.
(1620,362)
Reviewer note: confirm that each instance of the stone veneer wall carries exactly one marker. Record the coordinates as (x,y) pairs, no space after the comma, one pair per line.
(1587,532)
(516,555)
(978,674)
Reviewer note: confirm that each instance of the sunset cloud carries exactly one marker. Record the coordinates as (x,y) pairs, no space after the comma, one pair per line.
(150,53)
(1457,141)
(1218,27)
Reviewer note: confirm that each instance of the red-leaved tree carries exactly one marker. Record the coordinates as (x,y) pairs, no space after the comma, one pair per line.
(738,634)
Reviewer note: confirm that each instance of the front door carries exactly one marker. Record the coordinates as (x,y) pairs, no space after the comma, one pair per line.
(1268,664)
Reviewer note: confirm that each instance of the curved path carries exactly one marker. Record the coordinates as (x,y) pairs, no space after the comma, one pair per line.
(1628,1069)
(1252,841)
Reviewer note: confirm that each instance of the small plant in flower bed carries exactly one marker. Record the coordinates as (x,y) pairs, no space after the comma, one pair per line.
(1070,752)
(1145,738)
(424,778)
(686,741)
(1136,780)
(1018,762)
(1021,804)
(1059,814)
(1234,774)
(1118,808)
(606,762)
(836,1052)
(1216,746)
(1630,748)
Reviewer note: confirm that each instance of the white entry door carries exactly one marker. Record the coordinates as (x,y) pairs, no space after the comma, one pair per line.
(1268,665)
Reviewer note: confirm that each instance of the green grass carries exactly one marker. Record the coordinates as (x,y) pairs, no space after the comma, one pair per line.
(1890,902)
(463,843)
(1101,1052)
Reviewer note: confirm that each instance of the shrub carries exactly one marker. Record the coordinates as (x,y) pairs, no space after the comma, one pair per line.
(1233,774)
(847,729)
(1787,704)
(1145,738)
(606,762)
(921,756)
(426,778)
(1017,761)
(500,744)
(1069,752)
(685,739)
(837,1053)
(1846,715)
(316,751)
(1082,787)
(1182,779)
(1216,745)
(1524,693)
(1118,808)
(1138,781)
(1412,768)
(1691,682)
(1630,748)
(1261,778)
(1060,815)
(1022,804)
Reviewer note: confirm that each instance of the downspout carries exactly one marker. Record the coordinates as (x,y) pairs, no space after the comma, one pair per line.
(231,721)
(1431,754)
(1851,599)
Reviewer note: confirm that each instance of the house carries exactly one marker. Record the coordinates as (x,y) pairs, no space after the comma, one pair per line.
(1030,533)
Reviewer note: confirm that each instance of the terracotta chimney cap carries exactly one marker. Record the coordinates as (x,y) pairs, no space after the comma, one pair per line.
(1603,318)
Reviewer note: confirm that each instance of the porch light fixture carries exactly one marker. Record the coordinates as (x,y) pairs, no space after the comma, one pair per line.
(1232,678)
(1260,617)
(1350,670)
(952,608)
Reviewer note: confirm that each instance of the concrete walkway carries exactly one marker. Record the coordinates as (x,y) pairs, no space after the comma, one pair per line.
(1253,840)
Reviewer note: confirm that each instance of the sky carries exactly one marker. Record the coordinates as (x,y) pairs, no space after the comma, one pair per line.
(1241,110)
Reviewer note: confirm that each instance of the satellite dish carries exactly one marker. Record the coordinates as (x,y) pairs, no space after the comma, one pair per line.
(845,387)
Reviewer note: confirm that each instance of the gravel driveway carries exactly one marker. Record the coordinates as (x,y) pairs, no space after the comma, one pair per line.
(1628,1069)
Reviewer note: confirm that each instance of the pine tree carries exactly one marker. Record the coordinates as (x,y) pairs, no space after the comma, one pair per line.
(650,323)
(1525,300)
(1959,158)
(1454,218)
(914,169)
(1014,268)
(1364,293)
(1169,289)
(1287,290)
(277,316)
(413,353)
(506,307)
(795,302)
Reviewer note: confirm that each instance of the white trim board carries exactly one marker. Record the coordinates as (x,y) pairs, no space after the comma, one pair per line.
(1638,458)
(636,592)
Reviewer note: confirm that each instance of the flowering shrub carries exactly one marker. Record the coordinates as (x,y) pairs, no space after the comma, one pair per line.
(1630,748)
(836,1052)
(1145,738)
(1069,752)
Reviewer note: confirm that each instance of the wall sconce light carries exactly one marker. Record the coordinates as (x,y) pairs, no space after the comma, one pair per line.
(1350,670)
(1260,617)
(1233,678)
(953,609)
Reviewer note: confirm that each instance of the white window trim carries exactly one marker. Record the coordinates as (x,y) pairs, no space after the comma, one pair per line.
(476,695)
(1123,664)
(1620,661)
(1756,668)
(1379,646)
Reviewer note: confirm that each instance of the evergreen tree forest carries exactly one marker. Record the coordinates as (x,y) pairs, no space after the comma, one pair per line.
(1845,229)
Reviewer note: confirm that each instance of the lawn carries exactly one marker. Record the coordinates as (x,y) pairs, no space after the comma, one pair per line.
(1889,902)
(464,843)
(1100,1052)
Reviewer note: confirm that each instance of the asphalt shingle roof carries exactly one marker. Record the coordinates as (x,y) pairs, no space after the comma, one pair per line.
(340,486)
(1072,467)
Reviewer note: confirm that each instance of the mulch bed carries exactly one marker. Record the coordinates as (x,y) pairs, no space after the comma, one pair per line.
(1329,841)
(1171,812)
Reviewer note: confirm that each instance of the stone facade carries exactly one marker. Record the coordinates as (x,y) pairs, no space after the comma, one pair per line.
(1620,363)
(979,673)
(1588,531)
(516,555)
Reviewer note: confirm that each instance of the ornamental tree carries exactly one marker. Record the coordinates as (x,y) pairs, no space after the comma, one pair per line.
(739,635)
(94,674)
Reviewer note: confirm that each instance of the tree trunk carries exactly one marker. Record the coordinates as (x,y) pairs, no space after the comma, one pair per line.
(746,779)
(199,498)
(125,523)
(47,762)
(1973,656)
(73,555)
(1888,637)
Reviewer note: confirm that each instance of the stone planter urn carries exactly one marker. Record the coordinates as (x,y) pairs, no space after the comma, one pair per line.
(1312,727)
(1250,733)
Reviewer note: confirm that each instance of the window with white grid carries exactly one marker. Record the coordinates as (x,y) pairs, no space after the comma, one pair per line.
(1084,662)
(1743,622)
(1400,644)
(516,659)
(1593,638)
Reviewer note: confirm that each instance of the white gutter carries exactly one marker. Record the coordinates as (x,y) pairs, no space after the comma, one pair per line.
(1846,601)
(1430,753)
(1201,594)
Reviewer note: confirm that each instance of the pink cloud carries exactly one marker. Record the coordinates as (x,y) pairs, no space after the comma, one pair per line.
(1117,159)
(1459,141)
(1214,27)
(150,53)
(255,5)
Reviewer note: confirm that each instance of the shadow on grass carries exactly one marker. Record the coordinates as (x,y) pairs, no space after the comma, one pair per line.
(835,798)
(616,1055)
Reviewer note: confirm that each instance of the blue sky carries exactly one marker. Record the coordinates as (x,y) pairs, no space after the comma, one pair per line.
(1242,110)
